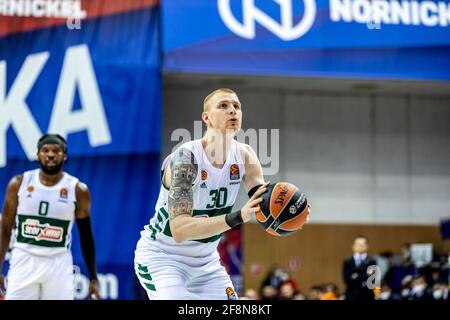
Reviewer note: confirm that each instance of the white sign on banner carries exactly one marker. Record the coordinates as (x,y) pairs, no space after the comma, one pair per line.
(421,254)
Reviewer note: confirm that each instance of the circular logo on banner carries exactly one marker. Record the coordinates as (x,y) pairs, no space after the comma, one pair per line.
(285,29)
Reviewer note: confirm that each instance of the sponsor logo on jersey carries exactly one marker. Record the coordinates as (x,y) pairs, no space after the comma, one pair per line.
(204,175)
(63,194)
(30,190)
(230,293)
(234,172)
(32,229)
(203,185)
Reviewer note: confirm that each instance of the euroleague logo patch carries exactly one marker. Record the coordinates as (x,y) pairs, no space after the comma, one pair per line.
(30,190)
(234,172)
(230,293)
(204,175)
(63,194)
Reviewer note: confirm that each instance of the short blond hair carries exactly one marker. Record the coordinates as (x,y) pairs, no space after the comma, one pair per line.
(212,94)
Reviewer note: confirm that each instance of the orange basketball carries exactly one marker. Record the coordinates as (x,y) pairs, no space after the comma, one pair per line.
(284,209)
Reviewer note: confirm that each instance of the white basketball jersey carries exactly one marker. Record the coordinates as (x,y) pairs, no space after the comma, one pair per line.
(215,191)
(45,215)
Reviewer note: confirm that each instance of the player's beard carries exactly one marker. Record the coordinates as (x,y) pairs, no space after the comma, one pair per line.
(51,170)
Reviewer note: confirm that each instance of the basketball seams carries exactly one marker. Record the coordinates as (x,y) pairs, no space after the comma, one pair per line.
(260,213)
(282,209)
(270,202)
(284,223)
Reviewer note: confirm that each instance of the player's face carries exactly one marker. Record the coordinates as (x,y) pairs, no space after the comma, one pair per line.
(51,158)
(224,113)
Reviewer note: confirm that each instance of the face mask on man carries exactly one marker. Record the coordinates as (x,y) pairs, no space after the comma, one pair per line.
(437,294)
(418,289)
(406,254)
(405,292)
(385,295)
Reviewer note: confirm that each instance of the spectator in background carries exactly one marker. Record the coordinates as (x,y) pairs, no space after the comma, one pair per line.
(315,293)
(268,292)
(420,289)
(276,277)
(383,260)
(406,285)
(440,291)
(330,292)
(250,294)
(287,291)
(385,293)
(435,271)
(448,268)
(299,296)
(273,278)
(405,255)
(401,266)
(355,271)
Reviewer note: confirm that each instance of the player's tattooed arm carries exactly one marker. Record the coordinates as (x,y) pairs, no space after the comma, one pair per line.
(183,172)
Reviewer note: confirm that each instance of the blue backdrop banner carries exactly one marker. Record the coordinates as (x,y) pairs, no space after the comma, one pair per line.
(378,39)
(98,84)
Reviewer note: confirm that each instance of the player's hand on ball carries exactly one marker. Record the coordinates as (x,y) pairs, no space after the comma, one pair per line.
(93,290)
(252,204)
(309,212)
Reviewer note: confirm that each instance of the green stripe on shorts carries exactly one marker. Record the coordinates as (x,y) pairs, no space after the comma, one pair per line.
(158,227)
(165,213)
(159,216)
(153,230)
(142,268)
(145,276)
(150,286)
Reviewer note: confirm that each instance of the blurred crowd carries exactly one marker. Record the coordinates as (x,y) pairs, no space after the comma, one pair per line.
(403,280)
(279,285)
(398,279)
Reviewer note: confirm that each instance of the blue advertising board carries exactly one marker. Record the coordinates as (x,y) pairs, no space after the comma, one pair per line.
(99,85)
(375,39)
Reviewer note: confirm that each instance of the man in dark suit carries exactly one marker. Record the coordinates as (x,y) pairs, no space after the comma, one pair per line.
(356,271)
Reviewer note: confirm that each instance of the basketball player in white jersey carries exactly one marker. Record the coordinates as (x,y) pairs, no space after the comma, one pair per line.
(176,256)
(44,203)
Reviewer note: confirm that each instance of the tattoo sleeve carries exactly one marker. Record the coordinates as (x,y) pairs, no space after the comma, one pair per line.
(184,171)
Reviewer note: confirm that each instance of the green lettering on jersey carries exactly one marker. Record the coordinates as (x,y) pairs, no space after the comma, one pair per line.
(218,198)
(43,208)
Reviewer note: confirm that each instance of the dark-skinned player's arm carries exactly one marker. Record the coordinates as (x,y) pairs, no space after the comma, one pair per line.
(182,172)
(83,216)
(9,212)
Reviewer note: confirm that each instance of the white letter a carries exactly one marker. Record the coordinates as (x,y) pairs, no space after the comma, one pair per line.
(78,72)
